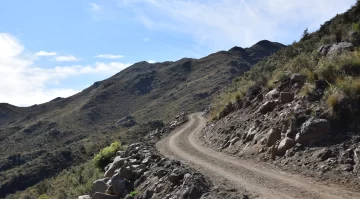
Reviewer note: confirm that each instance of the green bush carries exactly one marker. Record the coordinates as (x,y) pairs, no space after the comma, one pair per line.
(134,193)
(44,196)
(356,27)
(103,158)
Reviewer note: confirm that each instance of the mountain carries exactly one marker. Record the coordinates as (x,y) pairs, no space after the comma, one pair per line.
(39,141)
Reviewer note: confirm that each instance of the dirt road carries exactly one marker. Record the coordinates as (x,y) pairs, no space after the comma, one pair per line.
(259,182)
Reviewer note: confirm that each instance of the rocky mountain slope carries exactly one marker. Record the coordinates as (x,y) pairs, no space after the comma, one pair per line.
(39,141)
(300,111)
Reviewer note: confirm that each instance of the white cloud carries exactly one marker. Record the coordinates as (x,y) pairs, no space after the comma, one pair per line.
(225,23)
(45,53)
(24,84)
(67,58)
(146,39)
(110,56)
(151,61)
(95,7)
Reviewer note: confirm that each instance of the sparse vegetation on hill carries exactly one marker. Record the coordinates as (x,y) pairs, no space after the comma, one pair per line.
(340,71)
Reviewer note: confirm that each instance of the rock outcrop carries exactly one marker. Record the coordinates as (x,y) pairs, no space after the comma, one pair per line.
(330,50)
(144,173)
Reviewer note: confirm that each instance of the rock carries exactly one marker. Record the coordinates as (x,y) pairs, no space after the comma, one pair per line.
(145,160)
(234,140)
(147,194)
(120,154)
(291,131)
(347,168)
(285,144)
(160,173)
(330,50)
(273,150)
(272,95)
(84,197)
(127,121)
(313,128)
(117,163)
(126,172)
(296,77)
(273,135)
(104,196)
(191,192)
(119,185)
(268,106)
(323,154)
(357,159)
(286,97)
(355,38)
(99,186)
(175,178)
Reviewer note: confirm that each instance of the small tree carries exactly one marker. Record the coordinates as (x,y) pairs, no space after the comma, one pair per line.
(305,34)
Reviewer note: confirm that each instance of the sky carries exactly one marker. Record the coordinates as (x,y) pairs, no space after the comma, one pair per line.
(57,48)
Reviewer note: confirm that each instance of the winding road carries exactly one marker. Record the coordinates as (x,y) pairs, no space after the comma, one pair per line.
(259,182)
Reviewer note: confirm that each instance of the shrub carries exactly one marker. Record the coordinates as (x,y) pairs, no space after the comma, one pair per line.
(44,196)
(103,158)
(306,90)
(134,193)
(327,70)
(350,86)
(356,27)
(277,76)
(333,97)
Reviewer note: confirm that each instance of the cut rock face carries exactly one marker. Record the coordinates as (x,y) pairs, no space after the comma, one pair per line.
(312,129)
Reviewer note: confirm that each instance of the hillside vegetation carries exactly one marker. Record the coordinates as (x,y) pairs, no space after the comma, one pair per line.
(340,72)
(299,109)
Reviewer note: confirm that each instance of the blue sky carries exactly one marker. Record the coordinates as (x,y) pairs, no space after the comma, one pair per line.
(59,47)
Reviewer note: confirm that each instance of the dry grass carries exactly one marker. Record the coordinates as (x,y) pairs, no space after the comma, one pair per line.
(306,90)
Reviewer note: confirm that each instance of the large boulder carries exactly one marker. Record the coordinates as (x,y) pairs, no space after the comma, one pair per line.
(126,172)
(285,144)
(119,185)
(99,186)
(272,95)
(313,128)
(330,50)
(274,135)
(117,163)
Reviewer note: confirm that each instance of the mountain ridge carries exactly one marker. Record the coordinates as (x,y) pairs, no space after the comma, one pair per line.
(78,126)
